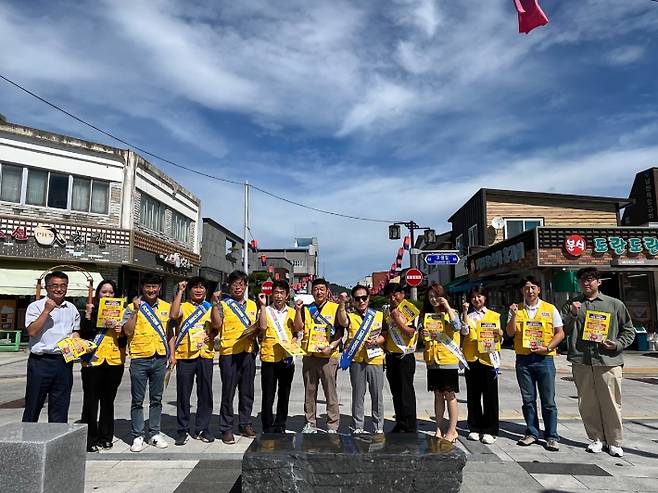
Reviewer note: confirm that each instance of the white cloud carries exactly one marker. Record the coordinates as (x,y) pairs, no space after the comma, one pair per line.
(625,55)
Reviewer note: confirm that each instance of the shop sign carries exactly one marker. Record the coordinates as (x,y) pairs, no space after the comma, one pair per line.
(633,245)
(19,233)
(177,260)
(575,245)
(45,236)
(83,237)
(506,255)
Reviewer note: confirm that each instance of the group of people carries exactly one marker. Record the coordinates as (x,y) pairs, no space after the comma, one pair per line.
(186,333)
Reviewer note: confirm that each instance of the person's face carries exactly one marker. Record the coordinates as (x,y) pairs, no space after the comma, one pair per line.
(589,285)
(236,289)
(531,292)
(319,293)
(198,293)
(151,291)
(433,298)
(478,301)
(361,300)
(279,296)
(56,288)
(106,291)
(395,298)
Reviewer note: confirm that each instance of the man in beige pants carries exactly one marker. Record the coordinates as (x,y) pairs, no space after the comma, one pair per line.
(324,326)
(600,328)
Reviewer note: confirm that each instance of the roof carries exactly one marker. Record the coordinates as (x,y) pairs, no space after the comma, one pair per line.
(620,202)
(223,229)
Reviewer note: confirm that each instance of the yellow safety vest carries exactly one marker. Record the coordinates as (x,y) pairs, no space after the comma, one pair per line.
(188,347)
(545,316)
(436,353)
(270,349)
(391,347)
(362,355)
(328,311)
(471,351)
(145,341)
(232,329)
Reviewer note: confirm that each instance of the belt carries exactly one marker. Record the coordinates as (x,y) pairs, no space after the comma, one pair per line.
(46,356)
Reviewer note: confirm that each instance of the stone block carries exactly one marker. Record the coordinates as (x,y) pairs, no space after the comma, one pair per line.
(42,457)
(336,463)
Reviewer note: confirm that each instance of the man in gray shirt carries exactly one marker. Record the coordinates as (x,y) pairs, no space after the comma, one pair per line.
(600,328)
(48,321)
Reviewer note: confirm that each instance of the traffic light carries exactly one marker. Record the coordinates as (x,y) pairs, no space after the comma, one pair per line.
(430,236)
(394,232)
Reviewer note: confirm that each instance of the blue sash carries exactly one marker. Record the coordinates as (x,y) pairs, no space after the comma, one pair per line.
(239,311)
(194,317)
(319,318)
(153,320)
(88,358)
(348,355)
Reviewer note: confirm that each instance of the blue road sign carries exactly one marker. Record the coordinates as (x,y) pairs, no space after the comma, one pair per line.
(441,259)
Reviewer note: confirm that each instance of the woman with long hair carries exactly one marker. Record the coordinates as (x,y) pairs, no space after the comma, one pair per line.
(101,370)
(441,335)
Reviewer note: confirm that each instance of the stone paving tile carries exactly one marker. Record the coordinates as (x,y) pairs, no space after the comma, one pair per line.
(619,483)
(109,487)
(559,482)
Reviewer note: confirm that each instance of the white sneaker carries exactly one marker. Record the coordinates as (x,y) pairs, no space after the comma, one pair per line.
(595,447)
(359,431)
(616,451)
(488,439)
(332,432)
(309,428)
(138,445)
(473,436)
(158,441)
(379,432)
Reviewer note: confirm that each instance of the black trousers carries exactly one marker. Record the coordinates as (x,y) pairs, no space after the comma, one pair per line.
(272,376)
(238,372)
(48,376)
(100,384)
(482,398)
(186,371)
(400,375)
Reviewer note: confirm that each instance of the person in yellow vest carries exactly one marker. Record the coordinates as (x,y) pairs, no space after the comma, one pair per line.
(237,357)
(145,322)
(277,368)
(324,326)
(537,330)
(440,324)
(101,371)
(401,339)
(193,349)
(482,351)
(364,356)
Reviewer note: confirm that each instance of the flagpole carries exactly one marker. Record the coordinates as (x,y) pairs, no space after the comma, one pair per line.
(245,259)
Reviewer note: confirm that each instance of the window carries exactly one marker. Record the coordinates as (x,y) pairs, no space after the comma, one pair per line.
(459,243)
(89,195)
(81,194)
(515,227)
(229,247)
(180,227)
(151,213)
(58,191)
(12,181)
(473,236)
(37,188)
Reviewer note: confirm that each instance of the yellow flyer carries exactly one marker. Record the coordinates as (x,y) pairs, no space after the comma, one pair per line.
(318,338)
(487,336)
(433,322)
(292,348)
(596,326)
(198,337)
(408,311)
(109,310)
(74,347)
(533,334)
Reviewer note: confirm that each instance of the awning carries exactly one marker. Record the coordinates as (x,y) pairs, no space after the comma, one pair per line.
(17,281)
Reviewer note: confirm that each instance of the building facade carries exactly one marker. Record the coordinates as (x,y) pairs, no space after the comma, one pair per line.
(221,252)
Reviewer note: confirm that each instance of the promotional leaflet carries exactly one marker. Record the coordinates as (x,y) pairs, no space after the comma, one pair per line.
(533,334)
(487,336)
(74,347)
(110,312)
(596,326)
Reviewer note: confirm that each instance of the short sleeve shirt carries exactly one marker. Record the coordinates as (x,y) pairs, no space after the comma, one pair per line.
(61,323)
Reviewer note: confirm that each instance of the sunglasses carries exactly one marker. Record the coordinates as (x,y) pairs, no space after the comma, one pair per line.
(361,298)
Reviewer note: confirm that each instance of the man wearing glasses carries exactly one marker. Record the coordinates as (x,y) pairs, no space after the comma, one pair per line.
(600,328)
(48,321)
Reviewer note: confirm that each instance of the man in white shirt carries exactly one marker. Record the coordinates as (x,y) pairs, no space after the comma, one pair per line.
(48,321)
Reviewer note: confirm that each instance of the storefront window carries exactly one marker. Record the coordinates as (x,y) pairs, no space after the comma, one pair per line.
(636,294)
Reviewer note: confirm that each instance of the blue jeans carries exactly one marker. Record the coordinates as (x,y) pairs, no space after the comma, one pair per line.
(537,373)
(143,370)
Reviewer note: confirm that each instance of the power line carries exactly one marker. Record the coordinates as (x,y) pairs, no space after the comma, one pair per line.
(177,165)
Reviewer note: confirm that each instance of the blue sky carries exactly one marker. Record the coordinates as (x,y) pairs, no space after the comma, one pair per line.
(397,110)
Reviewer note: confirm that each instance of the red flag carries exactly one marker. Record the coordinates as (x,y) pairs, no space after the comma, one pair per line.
(530,15)
(407,242)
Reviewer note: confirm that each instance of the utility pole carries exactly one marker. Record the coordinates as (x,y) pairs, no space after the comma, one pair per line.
(413,255)
(245,259)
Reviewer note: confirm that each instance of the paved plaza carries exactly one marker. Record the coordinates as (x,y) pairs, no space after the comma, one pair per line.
(198,466)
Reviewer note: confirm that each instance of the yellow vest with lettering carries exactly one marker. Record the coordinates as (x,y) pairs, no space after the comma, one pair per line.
(362,355)
(109,351)
(471,352)
(232,329)
(391,347)
(329,310)
(270,349)
(435,352)
(545,316)
(145,341)
(185,349)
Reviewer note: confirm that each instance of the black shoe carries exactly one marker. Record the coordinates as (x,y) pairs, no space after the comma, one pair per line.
(106,444)
(204,436)
(228,438)
(247,431)
(93,448)
(181,439)
(397,429)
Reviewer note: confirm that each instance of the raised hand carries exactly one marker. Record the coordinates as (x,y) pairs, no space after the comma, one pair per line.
(182,285)
(49,306)
(299,304)
(342,298)
(465,307)
(575,307)
(514,308)
(262,298)
(216,296)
